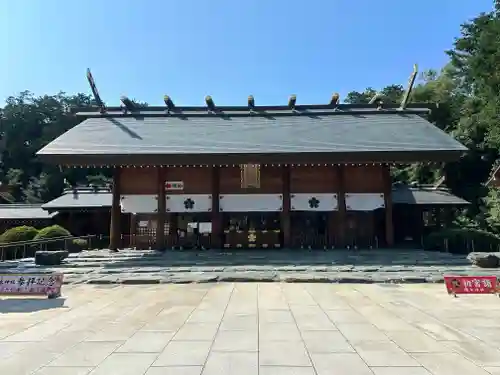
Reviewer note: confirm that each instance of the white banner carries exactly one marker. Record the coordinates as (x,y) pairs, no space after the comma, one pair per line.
(139,204)
(189,203)
(251,202)
(364,201)
(313,202)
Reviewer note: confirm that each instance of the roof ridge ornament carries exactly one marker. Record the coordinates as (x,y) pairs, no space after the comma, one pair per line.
(169,103)
(95,93)
(210,103)
(334,101)
(128,104)
(251,102)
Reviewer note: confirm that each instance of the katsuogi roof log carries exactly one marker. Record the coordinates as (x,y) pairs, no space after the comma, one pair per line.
(266,134)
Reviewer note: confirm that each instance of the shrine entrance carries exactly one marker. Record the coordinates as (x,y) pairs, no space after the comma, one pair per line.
(191,231)
(360,231)
(252,230)
(309,229)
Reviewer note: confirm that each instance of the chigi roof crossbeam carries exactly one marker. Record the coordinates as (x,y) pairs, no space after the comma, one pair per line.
(291,108)
(95,93)
(252,109)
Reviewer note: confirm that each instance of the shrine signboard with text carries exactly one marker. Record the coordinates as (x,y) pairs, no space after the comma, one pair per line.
(31,284)
(471,285)
(174,185)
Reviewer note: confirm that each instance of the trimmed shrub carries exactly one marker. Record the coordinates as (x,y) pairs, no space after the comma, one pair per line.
(18,234)
(462,241)
(77,245)
(53,231)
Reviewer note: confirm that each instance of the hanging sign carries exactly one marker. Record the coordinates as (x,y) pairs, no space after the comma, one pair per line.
(174,185)
(471,284)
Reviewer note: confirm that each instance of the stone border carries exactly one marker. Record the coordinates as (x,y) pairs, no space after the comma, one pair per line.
(263,279)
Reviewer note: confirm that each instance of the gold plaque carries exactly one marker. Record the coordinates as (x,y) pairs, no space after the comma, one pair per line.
(252,237)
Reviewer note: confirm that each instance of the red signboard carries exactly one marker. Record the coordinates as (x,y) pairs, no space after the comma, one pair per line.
(174,185)
(31,284)
(471,284)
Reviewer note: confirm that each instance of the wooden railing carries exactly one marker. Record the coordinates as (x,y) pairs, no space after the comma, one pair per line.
(27,249)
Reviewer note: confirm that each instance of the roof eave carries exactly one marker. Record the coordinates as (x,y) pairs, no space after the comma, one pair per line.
(82,159)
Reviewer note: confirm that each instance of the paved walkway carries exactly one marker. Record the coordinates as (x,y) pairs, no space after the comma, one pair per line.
(339,266)
(250,329)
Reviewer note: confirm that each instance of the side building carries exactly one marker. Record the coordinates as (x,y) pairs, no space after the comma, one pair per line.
(313,176)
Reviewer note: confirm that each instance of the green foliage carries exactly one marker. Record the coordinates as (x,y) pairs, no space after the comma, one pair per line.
(54,231)
(18,234)
(28,124)
(77,245)
(462,241)
(467,90)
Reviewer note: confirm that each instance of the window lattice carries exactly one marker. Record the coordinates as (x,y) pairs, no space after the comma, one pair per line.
(250,175)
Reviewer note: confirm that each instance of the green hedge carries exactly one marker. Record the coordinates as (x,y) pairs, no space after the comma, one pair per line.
(18,234)
(77,245)
(53,231)
(462,241)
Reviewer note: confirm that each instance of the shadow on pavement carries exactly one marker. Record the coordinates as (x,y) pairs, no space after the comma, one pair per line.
(28,305)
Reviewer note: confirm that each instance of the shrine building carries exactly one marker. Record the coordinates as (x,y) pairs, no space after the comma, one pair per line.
(314,176)
(289,176)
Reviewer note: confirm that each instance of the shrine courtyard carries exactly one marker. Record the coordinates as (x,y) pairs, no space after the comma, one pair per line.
(251,328)
(400,266)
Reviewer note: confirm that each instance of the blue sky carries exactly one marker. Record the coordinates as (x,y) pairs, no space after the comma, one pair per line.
(224,48)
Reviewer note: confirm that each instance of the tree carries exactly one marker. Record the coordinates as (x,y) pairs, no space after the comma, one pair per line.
(28,124)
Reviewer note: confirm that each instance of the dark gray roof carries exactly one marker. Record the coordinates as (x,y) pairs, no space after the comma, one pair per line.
(231,133)
(85,198)
(24,212)
(423,196)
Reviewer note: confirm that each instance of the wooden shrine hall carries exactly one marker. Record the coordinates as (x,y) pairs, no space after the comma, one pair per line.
(286,176)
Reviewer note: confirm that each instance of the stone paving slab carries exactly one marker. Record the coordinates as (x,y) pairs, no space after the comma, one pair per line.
(180,267)
(251,328)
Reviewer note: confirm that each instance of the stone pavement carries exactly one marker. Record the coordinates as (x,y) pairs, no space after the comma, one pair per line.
(250,329)
(339,266)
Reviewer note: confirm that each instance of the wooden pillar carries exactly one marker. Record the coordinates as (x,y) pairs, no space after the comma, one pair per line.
(338,219)
(448,216)
(389,225)
(116,211)
(161,209)
(71,222)
(285,214)
(439,216)
(133,229)
(216,235)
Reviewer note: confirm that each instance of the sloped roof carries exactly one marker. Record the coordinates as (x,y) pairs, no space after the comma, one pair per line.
(425,196)
(81,199)
(287,135)
(24,212)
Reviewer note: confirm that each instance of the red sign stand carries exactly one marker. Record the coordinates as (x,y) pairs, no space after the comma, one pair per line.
(472,285)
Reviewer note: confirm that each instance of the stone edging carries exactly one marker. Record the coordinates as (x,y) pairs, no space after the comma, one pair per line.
(222,279)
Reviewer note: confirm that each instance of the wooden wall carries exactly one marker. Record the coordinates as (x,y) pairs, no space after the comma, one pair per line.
(197,180)
(303,179)
(139,181)
(271,181)
(363,179)
(319,179)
